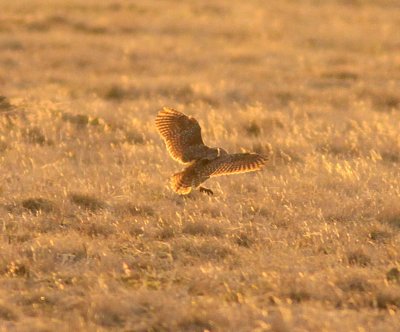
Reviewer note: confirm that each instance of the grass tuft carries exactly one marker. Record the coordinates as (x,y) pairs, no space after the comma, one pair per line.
(354,283)
(202,228)
(389,298)
(358,257)
(299,295)
(115,93)
(253,129)
(8,313)
(87,202)
(35,136)
(243,240)
(393,275)
(17,269)
(38,204)
(81,120)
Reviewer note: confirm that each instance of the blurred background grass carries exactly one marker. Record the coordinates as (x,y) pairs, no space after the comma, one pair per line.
(92,235)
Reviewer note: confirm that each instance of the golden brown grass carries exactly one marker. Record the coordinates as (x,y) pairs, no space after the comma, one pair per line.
(92,238)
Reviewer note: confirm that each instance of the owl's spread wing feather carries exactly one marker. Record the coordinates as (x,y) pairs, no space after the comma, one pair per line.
(182,182)
(181,134)
(234,164)
(198,172)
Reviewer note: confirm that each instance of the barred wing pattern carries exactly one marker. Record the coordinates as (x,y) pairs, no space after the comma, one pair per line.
(181,183)
(195,174)
(234,164)
(182,135)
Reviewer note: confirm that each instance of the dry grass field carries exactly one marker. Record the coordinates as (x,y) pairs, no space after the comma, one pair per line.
(91,236)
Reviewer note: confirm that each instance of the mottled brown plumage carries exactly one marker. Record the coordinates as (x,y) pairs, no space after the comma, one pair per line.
(182,137)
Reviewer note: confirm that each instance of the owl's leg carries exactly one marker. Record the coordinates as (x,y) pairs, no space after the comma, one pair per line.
(209,192)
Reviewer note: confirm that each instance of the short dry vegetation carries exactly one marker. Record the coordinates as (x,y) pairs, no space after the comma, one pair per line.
(91,236)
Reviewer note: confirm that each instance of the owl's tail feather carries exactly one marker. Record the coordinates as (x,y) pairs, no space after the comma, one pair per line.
(179,185)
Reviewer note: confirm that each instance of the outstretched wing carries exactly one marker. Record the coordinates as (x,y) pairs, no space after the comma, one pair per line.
(235,163)
(181,134)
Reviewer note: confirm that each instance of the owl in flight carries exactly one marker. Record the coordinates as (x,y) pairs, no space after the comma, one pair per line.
(182,137)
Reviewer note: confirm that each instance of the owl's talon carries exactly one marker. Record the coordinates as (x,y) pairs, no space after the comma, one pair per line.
(207,191)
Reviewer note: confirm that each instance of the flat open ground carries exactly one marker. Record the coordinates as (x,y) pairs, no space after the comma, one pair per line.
(91,235)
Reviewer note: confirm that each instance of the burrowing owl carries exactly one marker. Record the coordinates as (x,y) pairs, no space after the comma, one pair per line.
(182,136)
